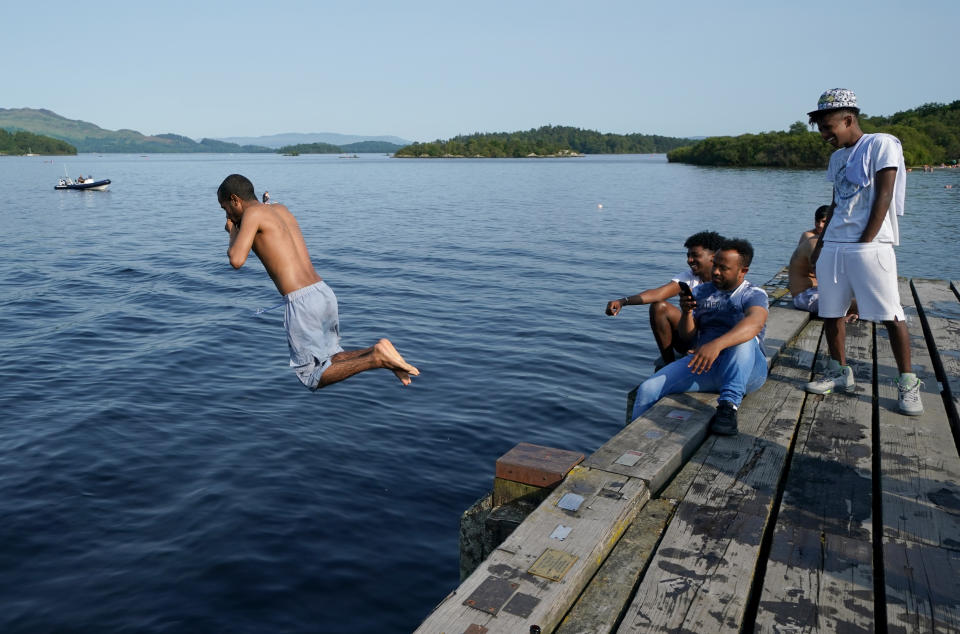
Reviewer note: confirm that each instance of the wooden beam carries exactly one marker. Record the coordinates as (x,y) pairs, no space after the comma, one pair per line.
(605,599)
(921,588)
(819,575)
(940,314)
(920,483)
(656,445)
(783,324)
(538,572)
(920,475)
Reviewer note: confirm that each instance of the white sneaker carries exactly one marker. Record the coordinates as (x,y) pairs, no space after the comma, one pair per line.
(836,378)
(910,403)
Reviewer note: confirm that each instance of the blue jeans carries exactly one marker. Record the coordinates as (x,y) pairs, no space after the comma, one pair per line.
(737,371)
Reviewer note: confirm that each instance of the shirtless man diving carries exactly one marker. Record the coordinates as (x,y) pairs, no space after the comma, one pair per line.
(311,315)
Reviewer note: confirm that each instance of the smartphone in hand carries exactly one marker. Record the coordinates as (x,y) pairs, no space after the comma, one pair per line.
(685,289)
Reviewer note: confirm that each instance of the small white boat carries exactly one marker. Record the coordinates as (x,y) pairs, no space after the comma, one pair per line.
(83,183)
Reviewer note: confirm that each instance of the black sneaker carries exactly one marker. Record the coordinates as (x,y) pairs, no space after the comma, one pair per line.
(724,422)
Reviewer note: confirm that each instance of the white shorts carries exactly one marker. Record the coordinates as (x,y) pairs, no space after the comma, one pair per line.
(867,271)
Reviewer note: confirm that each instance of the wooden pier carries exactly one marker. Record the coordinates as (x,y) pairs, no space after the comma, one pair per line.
(824,514)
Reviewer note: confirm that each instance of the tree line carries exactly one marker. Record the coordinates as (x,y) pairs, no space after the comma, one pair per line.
(328,148)
(543,141)
(26,142)
(930,135)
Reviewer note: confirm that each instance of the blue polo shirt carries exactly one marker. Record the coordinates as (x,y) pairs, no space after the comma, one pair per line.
(718,311)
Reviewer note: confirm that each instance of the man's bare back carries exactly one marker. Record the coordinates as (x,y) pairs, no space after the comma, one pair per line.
(802,275)
(273,234)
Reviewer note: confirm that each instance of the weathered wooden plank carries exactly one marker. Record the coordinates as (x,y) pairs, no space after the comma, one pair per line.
(941,312)
(817,582)
(538,572)
(601,605)
(829,485)
(700,577)
(921,588)
(783,324)
(605,599)
(819,573)
(655,445)
(919,478)
(920,468)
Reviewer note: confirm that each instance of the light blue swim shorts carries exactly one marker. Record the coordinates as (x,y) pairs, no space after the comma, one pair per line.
(808,300)
(313,331)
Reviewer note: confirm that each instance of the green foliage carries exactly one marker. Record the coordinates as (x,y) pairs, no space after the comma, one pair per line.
(327,148)
(933,130)
(212,145)
(310,148)
(544,141)
(769,149)
(379,147)
(20,142)
(930,134)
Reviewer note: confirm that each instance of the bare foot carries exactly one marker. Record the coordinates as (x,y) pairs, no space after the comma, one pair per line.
(388,357)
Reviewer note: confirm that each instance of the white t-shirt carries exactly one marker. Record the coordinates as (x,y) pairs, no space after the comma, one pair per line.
(687,276)
(853,172)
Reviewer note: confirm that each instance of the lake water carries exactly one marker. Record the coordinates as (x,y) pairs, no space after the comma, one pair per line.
(162,469)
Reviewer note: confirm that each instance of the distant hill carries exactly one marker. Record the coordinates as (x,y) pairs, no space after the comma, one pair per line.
(544,141)
(278,141)
(87,137)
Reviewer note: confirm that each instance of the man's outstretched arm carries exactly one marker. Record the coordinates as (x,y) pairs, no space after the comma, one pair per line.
(649,296)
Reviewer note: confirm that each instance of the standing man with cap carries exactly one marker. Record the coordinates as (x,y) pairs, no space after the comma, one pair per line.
(854,255)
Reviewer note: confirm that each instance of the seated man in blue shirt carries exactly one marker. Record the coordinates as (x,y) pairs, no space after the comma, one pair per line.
(726,319)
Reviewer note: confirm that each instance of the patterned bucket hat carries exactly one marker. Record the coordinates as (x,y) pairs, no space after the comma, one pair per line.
(834,99)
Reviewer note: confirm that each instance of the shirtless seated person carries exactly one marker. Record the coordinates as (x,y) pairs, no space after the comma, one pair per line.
(311,316)
(802,273)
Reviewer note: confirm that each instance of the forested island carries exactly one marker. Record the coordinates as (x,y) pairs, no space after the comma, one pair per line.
(930,135)
(379,147)
(19,143)
(541,142)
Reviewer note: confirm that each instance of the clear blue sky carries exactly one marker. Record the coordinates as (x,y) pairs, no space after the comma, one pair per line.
(427,70)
